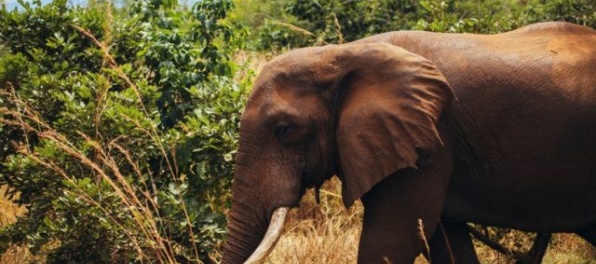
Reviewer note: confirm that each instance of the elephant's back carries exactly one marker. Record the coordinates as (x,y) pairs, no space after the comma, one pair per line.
(526,118)
(552,59)
(553,26)
(563,53)
(524,123)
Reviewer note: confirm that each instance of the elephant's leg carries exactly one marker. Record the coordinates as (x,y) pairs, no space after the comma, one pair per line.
(588,233)
(452,243)
(537,251)
(392,210)
(535,254)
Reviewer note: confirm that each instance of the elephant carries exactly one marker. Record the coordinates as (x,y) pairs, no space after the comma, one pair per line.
(442,128)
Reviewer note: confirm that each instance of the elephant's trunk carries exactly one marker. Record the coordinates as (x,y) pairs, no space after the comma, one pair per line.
(259,206)
(250,215)
(245,233)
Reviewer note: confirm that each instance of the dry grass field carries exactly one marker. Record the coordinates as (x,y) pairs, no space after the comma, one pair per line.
(8,214)
(328,233)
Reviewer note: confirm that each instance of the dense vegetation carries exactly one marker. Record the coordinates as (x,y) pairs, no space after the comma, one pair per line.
(306,22)
(118,132)
(118,125)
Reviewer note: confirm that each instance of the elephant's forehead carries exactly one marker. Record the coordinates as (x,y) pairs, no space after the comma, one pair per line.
(297,55)
(280,104)
(302,65)
(279,84)
(278,100)
(271,92)
(291,71)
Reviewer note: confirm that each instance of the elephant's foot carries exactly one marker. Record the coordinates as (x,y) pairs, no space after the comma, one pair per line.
(451,243)
(537,251)
(534,256)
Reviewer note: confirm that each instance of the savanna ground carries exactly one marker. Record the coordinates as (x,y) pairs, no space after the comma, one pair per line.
(328,233)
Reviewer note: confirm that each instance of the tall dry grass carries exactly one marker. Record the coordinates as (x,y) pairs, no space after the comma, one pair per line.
(320,233)
(329,233)
(139,202)
(8,215)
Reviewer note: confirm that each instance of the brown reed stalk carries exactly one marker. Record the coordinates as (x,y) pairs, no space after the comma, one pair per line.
(423,237)
(153,133)
(141,213)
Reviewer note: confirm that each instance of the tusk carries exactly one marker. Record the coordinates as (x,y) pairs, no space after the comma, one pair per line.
(278,218)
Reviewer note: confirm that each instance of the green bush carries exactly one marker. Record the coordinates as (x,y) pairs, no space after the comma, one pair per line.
(284,24)
(118,131)
(494,16)
(335,21)
(341,21)
(271,27)
(581,12)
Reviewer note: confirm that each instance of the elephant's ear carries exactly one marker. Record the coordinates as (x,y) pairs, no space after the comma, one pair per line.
(390,102)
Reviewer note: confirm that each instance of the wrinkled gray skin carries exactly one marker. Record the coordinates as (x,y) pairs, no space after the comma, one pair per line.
(493,129)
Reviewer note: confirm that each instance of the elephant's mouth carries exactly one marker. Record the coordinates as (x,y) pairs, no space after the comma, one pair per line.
(310,179)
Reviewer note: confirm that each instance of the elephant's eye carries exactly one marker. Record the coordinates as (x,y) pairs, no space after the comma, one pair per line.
(282,130)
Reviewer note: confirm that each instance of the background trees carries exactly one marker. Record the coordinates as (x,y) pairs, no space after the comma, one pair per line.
(119,123)
(304,22)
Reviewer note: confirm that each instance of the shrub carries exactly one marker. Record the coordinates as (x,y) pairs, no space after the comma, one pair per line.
(118,132)
(335,21)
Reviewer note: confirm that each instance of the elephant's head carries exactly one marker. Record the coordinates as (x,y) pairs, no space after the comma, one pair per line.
(360,111)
